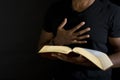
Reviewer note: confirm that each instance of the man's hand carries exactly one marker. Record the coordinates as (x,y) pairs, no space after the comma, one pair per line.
(76,60)
(66,37)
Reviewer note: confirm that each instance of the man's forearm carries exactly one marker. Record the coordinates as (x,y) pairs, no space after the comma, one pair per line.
(115,59)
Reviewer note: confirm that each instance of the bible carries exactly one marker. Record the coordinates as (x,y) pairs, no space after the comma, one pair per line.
(98,58)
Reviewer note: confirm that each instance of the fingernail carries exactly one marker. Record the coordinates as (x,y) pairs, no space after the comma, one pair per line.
(83,23)
(53,55)
(88,35)
(88,29)
(59,54)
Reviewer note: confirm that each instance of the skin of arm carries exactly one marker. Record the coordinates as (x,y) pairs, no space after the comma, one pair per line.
(45,37)
(115,57)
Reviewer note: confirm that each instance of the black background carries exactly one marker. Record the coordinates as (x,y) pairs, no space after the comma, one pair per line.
(20,25)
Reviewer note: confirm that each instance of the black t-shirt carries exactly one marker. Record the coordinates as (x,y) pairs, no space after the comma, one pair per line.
(102,17)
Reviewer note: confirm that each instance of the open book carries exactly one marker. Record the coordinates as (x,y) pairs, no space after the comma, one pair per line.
(100,59)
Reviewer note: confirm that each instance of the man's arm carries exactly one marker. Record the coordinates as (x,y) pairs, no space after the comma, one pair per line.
(45,37)
(115,57)
(65,37)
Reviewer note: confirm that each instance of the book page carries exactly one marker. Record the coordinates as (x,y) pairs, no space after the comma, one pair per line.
(98,58)
(104,59)
(60,49)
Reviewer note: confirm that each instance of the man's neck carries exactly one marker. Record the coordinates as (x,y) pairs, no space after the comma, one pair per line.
(81,5)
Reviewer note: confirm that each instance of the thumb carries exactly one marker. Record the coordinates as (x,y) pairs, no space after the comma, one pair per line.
(63,24)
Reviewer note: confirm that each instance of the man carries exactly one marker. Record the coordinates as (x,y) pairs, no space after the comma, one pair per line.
(90,24)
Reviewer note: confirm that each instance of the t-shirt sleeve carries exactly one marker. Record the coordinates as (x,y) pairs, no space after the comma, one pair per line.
(54,16)
(47,23)
(115,25)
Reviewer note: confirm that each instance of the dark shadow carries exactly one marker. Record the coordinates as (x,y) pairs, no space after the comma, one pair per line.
(20,25)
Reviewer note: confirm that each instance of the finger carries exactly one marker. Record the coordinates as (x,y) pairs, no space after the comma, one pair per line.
(77,27)
(60,56)
(82,31)
(78,59)
(78,42)
(65,58)
(82,37)
(63,24)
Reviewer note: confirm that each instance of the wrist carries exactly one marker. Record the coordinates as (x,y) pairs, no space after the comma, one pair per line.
(51,42)
(56,41)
